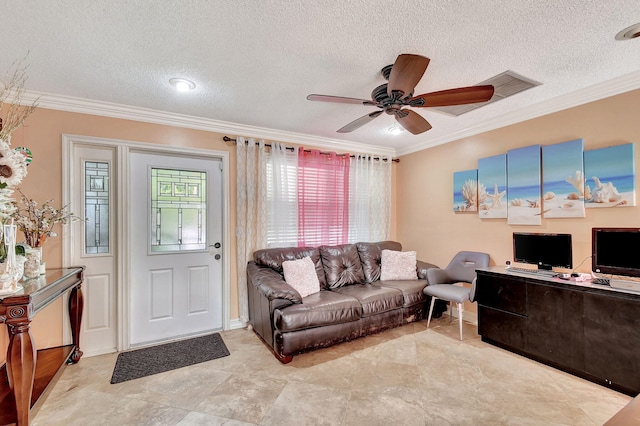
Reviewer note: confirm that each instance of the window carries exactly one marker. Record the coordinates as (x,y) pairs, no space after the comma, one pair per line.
(323,198)
(315,199)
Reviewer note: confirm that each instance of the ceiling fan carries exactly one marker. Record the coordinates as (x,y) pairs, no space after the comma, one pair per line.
(391,97)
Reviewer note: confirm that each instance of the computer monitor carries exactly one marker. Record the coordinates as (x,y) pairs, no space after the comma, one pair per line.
(614,251)
(545,250)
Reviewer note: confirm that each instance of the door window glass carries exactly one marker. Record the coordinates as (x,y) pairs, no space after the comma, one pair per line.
(96,207)
(178,210)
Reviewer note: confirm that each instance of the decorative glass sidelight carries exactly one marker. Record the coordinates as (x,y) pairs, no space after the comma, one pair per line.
(96,207)
(178,210)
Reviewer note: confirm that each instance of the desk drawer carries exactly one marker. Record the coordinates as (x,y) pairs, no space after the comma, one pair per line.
(502,327)
(507,294)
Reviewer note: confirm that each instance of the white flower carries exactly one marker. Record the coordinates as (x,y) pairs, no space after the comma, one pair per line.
(13,165)
(7,207)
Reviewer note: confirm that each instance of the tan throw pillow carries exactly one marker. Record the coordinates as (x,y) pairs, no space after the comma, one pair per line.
(301,275)
(398,265)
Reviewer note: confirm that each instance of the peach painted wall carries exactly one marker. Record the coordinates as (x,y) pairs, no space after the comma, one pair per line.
(427,223)
(43,135)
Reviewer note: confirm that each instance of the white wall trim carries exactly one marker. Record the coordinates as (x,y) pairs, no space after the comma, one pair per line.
(599,91)
(468,316)
(235,324)
(109,109)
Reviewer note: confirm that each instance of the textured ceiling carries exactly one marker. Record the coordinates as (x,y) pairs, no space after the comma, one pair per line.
(254,62)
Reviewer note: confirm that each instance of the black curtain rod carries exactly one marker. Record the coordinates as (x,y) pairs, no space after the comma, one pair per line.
(228,139)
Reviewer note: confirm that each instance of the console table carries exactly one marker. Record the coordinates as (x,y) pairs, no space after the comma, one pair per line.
(589,330)
(29,373)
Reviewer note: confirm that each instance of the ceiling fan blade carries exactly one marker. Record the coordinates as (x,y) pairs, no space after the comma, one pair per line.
(412,121)
(459,96)
(406,73)
(340,100)
(359,122)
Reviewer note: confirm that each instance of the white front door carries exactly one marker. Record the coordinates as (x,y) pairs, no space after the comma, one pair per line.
(175,246)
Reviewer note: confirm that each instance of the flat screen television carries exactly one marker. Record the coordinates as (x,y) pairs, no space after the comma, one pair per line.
(545,250)
(615,251)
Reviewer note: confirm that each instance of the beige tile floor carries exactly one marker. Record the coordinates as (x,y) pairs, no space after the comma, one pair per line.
(405,376)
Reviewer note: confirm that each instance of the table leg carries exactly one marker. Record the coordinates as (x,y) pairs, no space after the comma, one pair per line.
(76,305)
(21,368)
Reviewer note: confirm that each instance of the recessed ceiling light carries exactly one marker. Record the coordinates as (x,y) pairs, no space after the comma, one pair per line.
(395,129)
(182,85)
(629,33)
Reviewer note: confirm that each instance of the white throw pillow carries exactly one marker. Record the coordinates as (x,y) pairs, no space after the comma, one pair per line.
(398,265)
(301,275)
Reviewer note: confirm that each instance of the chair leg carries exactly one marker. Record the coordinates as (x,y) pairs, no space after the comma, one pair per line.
(450,311)
(460,309)
(433,302)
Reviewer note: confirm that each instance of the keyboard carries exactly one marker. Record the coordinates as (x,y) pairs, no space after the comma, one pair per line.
(601,281)
(542,272)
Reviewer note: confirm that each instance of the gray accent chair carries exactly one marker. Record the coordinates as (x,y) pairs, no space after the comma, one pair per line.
(461,269)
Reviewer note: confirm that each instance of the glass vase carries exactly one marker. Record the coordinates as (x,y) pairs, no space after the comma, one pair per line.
(32,264)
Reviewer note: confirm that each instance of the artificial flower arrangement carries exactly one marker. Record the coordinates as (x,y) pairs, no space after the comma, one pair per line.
(13,165)
(37,221)
(13,169)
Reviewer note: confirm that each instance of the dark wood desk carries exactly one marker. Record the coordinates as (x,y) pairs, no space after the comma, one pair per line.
(586,329)
(17,311)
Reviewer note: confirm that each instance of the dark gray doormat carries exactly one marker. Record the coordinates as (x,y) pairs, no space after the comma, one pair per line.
(158,359)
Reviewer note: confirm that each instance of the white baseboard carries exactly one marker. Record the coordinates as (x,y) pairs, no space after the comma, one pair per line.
(236,323)
(470,317)
(89,354)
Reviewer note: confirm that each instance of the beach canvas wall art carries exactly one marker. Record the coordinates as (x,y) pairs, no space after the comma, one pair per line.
(563,179)
(465,191)
(492,175)
(523,186)
(610,177)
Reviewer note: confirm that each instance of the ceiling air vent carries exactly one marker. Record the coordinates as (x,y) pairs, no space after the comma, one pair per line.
(506,84)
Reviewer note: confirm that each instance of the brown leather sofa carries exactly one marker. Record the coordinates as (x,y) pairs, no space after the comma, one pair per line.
(352,302)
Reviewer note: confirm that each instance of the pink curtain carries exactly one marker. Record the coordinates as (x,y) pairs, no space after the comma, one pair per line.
(323,198)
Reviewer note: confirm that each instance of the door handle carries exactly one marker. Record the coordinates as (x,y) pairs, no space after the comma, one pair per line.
(216,246)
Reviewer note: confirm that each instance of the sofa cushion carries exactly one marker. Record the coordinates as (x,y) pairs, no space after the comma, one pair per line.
(274,257)
(370,255)
(373,298)
(301,275)
(341,265)
(412,290)
(398,265)
(318,309)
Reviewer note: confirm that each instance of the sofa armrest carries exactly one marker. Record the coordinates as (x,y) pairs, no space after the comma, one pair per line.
(271,284)
(422,268)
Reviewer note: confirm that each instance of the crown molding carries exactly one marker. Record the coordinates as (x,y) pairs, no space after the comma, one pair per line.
(596,92)
(107,109)
(114,110)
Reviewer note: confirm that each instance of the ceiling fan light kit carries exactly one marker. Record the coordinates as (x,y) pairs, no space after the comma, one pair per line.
(403,76)
(395,129)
